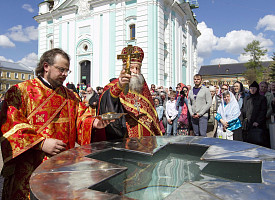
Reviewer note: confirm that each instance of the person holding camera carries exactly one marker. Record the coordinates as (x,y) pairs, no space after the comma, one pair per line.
(183,122)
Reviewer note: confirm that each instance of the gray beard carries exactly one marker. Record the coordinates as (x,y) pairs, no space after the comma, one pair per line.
(136,83)
(88,96)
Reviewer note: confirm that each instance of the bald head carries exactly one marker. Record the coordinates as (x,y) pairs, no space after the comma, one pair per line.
(89,90)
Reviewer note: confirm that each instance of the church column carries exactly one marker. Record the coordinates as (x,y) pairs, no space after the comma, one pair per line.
(152,43)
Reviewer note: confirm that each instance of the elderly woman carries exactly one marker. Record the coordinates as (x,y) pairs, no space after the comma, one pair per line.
(228,116)
(254,115)
(212,123)
(160,111)
(239,93)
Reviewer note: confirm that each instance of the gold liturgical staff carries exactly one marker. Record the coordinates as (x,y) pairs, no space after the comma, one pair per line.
(128,56)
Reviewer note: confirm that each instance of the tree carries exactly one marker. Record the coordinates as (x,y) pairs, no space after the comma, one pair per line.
(272,68)
(254,67)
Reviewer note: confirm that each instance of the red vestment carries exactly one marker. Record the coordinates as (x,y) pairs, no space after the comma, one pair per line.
(141,119)
(29,106)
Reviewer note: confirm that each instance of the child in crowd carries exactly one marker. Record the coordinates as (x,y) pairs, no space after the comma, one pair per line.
(171,113)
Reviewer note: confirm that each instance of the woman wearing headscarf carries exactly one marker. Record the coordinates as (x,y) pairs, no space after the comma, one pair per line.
(228,116)
(254,113)
(239,93)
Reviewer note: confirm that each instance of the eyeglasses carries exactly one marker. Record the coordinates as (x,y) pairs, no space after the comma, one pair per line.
(63,70)
(224,88)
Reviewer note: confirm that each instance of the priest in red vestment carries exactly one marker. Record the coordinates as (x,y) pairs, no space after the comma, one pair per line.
(41,118)
(141,119)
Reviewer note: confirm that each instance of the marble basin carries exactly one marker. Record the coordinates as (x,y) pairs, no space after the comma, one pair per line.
(181,167)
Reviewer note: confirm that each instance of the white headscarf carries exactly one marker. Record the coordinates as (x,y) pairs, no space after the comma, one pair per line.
(231,110)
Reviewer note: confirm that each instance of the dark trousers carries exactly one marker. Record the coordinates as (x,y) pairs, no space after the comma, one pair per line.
(238,134)
(199,126)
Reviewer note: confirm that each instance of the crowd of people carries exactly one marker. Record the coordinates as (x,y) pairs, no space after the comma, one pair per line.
(228,112)
(41,118)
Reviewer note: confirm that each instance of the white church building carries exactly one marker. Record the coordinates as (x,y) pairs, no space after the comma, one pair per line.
(93,33)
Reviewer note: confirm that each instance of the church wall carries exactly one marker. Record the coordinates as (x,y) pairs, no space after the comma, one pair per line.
(176,52)
(160,65)
(167,45)
(79,38)
(97,41)
(173,50)
(152,43)
(105,50)
(142,36)
(112,44)
(72,43)
(42,38)
(189,55)
(119,40)
(181,74)
(192,53)
(56,35)
(159,32)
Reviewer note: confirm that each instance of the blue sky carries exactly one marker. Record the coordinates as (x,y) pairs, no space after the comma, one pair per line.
(18,31)
(226,27)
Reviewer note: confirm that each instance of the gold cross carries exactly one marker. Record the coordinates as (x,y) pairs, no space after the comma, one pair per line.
(130,54)
(137,105)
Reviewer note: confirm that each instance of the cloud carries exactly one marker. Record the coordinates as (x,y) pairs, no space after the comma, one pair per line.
(5,41)
(235,41)
(207,40)
(223,61)
(20,34)
(200,61)
(30,60)
(267,22)
(245,58)
(28,7)
(2,58)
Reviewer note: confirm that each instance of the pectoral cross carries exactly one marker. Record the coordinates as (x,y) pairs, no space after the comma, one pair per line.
(128,56)
(137,105)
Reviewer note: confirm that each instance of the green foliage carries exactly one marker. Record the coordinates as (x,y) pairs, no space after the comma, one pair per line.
(252,75)
(254,66)
(272,68)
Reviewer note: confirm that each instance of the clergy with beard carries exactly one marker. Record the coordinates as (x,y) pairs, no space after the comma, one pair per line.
(141,119)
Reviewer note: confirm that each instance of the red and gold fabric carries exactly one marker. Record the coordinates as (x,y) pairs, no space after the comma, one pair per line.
(142,121)
(35,112)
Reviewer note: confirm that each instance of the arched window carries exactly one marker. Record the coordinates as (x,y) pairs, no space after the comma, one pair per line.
(132,31)
(51,44)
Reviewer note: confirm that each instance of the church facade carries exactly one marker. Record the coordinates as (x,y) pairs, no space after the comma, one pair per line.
(93,33)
